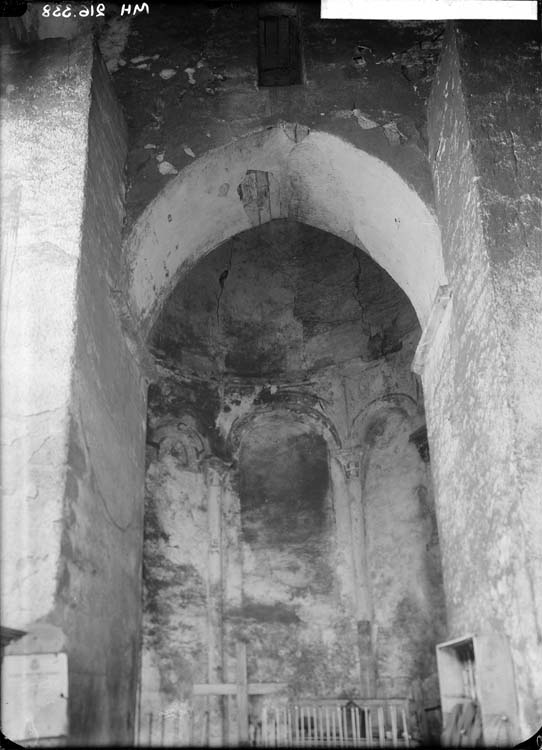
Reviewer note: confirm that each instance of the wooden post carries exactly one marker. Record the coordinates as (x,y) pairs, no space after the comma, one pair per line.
(241,689)
(242,693)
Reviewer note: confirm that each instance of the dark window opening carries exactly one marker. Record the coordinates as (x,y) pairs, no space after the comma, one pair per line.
(279,59)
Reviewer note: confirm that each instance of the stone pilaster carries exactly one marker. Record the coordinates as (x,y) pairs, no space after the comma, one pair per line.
(350,515)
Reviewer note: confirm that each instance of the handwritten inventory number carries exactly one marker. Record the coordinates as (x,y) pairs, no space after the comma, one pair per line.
(84,11)
(65,11)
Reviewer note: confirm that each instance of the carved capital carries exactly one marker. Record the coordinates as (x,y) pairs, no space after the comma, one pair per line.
(350,461)
(180,440)
(216,471)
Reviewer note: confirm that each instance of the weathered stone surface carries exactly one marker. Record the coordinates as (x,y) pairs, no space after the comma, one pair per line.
(99,587)
(43,171)
(485,518)
(504,106)
(73,398)
(404,557)
(324,182)
(290,586)
(353,71)
(344,153)
(283,299)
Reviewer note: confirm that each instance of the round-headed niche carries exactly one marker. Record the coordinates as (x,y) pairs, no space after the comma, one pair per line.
(283,483)
(291,613)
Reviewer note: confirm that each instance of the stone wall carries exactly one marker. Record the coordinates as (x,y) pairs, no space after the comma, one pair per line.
(299,628)
(403,555)
(504,104)
(65,517)
(190,86)
(282,298)
(73,479)
(471,381)
(290,585)
(99,594)
(44,126)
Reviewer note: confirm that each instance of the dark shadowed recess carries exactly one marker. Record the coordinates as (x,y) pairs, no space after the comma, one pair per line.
(283,483)
(282,299)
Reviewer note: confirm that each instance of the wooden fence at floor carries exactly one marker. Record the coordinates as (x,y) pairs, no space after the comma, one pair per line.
(331,723)
(315,723)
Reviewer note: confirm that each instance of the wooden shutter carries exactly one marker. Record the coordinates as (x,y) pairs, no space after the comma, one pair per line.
(279,51)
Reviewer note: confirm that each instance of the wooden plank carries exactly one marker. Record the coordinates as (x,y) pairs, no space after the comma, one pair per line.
(381,731)
(215,688)
(369,702)
(321,734)
(405,728)
(279,51)
(356,723)
(242,692)
(288,727)
(369,726)
(205,725)
(230,688)
(394,733)
(227,719)
(192,724)
(176,729)
(265,740)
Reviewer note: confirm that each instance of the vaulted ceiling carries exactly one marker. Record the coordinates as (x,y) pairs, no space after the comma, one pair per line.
(280,299)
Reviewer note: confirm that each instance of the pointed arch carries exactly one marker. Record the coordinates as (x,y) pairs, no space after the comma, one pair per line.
(283,172)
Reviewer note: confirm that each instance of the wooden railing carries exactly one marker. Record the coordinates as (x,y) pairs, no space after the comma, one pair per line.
(315,723)
(333,723)
(160,729)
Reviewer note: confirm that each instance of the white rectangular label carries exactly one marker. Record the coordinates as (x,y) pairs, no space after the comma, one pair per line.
(34,696)
(430,10)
